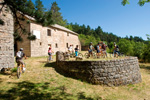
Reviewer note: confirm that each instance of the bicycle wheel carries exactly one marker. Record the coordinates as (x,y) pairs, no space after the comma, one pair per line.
(24,67)
(19,69)
(94,56)
(86,55)
(80,55)
(72,55)
(117,54)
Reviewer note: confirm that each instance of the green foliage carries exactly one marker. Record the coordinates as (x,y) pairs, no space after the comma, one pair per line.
(14,69)
(141,2)
(39,11)
(148,37)
(98,34)
(30,9)
(86,39)
(126,47)
(138,49)
(31,37)
(124,2)
(56,15)
(146,54)
(69,27)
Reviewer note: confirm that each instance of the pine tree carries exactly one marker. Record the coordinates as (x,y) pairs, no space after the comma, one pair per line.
(56,15)
(39,11)
(30,8)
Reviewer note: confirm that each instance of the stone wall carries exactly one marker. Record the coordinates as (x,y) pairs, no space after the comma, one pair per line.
(39,47)
(6,39)
(107,72)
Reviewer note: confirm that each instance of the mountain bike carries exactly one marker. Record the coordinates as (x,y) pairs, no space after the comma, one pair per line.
(73,55)
(88,55)
(20,69)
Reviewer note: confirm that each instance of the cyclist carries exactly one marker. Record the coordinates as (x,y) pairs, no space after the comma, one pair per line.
(98,49)
(76,51)
(116,49)
(104,49)
(19,58)
(70,49)
(90,49)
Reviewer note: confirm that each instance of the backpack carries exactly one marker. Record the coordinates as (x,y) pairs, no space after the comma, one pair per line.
(19,54)
(117,48)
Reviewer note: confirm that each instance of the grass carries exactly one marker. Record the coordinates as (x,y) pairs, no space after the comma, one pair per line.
(42,81)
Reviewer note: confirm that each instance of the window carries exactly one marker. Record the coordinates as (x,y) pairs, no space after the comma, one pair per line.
(67,45)
(40,43)
(67,34)
(49,45)
(56,46)
(48,32)
(36,33)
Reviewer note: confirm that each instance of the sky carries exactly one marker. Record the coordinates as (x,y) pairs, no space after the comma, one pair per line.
(110,15)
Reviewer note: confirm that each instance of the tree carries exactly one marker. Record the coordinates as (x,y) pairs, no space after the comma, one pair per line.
(141,2)
(39,11)
(56,15)
(126,47)
(30,9)
(19,9)
(148,37)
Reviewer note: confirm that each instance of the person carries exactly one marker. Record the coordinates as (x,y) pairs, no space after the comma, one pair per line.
(19,58)
(50,53)
(70,49)
(98,49)
(90,49)
(104,49)
(76,51)
(116,49)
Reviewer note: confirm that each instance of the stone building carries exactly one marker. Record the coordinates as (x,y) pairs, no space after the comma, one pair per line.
(56,36)
(6,39)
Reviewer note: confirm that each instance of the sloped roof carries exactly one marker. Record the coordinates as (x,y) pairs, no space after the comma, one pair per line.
(63,28)
(55,25)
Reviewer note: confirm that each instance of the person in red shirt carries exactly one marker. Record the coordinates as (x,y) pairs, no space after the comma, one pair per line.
(50,53)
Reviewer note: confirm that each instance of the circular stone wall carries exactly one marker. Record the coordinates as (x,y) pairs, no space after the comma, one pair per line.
(107,72)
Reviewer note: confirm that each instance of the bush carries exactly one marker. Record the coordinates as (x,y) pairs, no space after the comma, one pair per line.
(14,69)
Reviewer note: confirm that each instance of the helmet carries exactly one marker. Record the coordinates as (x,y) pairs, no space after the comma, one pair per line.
(90,42)
(21,49)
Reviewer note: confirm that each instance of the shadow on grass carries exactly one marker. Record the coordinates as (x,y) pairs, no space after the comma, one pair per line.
(145,67)
(6,73)
(39,91)
(58,70)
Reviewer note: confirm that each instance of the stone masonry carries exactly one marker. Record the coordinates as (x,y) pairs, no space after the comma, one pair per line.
(105,72)
(6,39)
(59,39)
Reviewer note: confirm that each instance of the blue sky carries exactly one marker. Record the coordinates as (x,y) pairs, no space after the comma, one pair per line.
(121,20)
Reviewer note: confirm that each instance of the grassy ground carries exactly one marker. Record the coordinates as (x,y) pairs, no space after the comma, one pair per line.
(41,81)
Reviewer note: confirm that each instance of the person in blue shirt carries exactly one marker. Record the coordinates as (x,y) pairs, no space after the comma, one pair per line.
(76,51)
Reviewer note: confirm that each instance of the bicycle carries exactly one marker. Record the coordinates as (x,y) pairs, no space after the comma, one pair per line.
(118,54)
(73,55)
(93,55)
(20,69)
(104,54)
